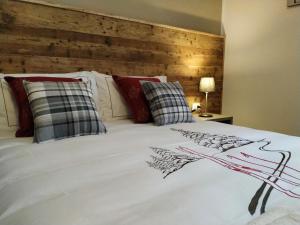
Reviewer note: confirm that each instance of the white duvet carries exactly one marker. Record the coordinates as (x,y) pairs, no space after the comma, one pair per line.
(203,173)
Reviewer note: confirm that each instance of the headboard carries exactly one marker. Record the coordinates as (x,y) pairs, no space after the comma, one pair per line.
(40,38)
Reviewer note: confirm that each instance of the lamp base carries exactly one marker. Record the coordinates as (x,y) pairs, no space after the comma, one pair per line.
(205,115)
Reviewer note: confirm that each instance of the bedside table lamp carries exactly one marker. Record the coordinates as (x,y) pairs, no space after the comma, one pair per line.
(207,84)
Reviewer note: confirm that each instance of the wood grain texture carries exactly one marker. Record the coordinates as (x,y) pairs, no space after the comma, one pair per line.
(36,38)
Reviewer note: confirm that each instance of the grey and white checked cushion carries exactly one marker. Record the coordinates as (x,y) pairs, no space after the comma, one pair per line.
(62,109)
(167,103)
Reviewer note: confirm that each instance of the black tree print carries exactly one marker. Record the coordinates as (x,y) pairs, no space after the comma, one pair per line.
(220,142)
(169,161)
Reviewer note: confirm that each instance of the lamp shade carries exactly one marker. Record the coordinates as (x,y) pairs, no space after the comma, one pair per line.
(207,84)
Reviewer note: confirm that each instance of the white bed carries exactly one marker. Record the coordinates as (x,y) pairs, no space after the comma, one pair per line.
(110,179)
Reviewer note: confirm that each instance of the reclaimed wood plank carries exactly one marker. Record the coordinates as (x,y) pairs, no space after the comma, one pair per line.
(37,38)
(41,16)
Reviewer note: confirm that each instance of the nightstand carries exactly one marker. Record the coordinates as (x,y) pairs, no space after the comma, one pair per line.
(216,117)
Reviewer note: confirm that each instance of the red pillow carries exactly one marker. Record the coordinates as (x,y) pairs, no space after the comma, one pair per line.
(133,94)
(26,127)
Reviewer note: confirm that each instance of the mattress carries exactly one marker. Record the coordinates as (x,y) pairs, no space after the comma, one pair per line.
(139,174)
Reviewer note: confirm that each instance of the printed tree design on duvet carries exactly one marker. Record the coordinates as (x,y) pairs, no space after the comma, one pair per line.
(219,142)
(168,161)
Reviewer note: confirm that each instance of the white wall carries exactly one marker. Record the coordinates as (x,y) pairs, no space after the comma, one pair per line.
(262,64)
(203,15)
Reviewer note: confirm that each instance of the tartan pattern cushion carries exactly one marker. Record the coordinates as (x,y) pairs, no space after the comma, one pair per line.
(167,103)
(62,109)
(26,126)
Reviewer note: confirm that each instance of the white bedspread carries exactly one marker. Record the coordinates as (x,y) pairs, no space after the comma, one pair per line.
(278,216)
(148,175)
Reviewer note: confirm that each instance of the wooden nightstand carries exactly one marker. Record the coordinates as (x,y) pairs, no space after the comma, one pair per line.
(216,117)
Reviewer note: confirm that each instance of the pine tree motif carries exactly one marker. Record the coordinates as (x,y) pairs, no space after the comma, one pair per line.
(220,142)
(168,161)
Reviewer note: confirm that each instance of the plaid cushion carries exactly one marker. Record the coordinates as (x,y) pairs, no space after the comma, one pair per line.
(167,103)
(62,109)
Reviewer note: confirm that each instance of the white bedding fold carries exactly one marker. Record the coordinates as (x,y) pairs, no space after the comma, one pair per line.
(108,180)
(278,216)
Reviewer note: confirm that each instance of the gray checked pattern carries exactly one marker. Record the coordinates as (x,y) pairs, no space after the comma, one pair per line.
(167,103)
(62,109)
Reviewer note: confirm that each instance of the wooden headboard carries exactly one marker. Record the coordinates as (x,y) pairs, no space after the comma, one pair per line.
(39,38)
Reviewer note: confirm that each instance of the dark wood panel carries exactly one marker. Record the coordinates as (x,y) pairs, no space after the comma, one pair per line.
(91,39)
(37,38)
(45,64)
(52,47)
(40,16)
(40,64)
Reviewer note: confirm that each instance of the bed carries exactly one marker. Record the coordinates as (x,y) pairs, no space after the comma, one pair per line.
(202,173)
(189,173)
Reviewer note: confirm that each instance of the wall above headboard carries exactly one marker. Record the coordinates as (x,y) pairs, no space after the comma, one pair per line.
(38,38)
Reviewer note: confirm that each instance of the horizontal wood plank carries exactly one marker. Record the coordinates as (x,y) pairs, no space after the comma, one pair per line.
(12,44)
(40,16)
(36,38)
(73,37)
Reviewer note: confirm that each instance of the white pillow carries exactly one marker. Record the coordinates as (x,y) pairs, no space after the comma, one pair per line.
(11,112)
(3,114)
(7,132)
(6,129)
(112,104)
(4,124)
(10,104)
